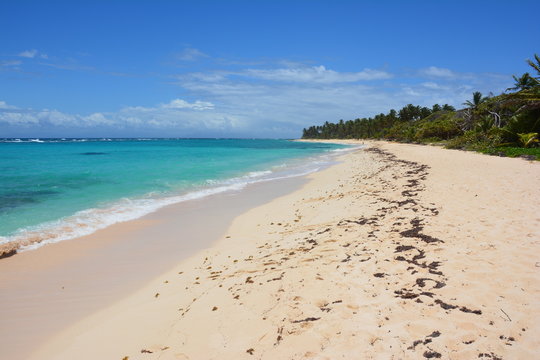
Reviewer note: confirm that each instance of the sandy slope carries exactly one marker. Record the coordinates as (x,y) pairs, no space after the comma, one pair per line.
(399,252)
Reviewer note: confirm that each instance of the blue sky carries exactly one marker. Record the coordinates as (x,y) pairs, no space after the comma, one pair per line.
(247,68)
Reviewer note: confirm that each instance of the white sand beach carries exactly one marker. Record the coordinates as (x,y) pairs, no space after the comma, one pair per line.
(398,252)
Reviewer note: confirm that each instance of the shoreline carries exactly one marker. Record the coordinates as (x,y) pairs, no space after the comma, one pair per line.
(37,285)
(391,252)
(87,221)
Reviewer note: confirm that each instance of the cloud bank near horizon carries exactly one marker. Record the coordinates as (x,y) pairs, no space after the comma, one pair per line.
(269,99)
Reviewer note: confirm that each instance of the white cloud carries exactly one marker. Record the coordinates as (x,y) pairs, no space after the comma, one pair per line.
(434,71)
(10,63)
(31,54)
(433,86)
(269,109)
(17,118)
(177,114)
(270,102)
(28,53)
(208,77)
(57,118)
(190,54)
(182,104)
(175,104)
(411,92)
(4,105)
(282,101)
(14,116)
(315,74)
(97,119)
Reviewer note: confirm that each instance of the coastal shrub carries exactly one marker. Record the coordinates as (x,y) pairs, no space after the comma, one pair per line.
(405,132)
(523,123)
(531,153)
(461,142)
(430,140)
(394,132)
(484,124)
(475,140)
(528,140)
(440,115)
(442,129)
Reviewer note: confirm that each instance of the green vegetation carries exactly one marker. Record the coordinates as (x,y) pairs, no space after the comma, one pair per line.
(507,124)
(532,153)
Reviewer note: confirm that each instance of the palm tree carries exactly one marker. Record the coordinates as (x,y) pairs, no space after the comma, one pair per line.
(535,66)
(484,124)
(470,111)
(476,100)
(526,81)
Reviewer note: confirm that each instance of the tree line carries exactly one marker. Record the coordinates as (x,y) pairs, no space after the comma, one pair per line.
(492,124)
(373,127)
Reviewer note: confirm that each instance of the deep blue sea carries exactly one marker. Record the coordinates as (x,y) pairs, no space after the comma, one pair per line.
(58,189)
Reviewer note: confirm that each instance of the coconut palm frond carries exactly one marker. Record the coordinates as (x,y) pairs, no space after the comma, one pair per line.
(528,139)
(476,100)
(524,82)
(535,66)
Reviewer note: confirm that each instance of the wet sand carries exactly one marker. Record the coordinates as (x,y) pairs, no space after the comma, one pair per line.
(400,251)
(45,290)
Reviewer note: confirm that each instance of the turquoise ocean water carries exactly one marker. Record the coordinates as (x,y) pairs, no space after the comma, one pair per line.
(58,189)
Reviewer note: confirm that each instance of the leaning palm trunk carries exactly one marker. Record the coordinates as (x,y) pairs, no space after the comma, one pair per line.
(496,119)
(467,122)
